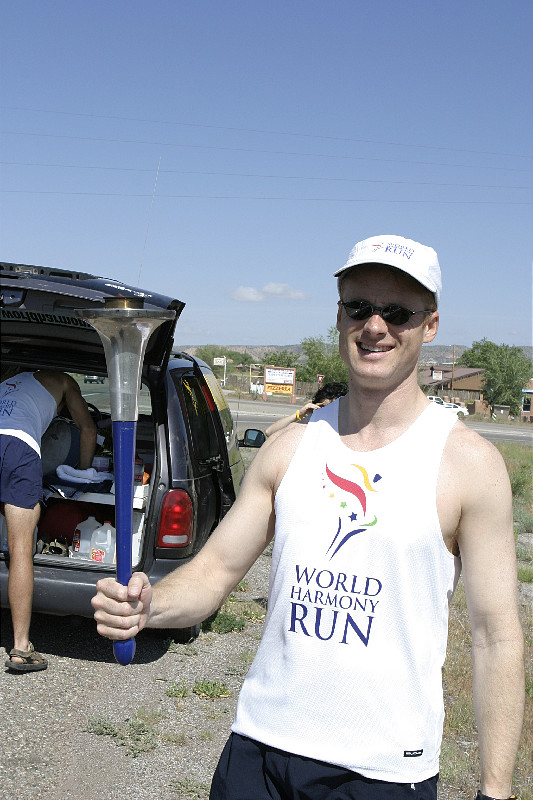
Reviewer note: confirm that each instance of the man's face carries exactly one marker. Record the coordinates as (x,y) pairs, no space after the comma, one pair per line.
(378,354)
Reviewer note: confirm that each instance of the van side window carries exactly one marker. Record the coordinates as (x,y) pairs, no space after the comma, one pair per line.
(223,410)
(203,433)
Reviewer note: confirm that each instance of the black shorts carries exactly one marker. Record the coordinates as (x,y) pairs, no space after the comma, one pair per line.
(21,475)
(249,770)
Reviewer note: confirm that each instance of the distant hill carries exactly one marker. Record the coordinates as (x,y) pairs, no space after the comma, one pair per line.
(431,353)
(256,351)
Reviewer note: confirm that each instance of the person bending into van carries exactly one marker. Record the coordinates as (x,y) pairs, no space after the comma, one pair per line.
(376,504)
(324,395)
(28,403)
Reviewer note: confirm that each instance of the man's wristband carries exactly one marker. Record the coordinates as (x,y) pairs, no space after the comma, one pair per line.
(298,416)
(481,796)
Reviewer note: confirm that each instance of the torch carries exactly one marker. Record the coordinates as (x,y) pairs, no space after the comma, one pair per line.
(124,328)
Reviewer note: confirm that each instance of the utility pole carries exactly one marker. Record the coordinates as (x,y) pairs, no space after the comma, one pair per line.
(453,370)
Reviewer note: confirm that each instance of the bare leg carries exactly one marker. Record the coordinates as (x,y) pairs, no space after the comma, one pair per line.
(21,523)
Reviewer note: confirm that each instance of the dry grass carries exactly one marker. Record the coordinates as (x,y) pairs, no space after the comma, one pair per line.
(519,461)
(459,768)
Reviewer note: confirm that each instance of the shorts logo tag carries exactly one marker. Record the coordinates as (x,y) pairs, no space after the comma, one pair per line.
(412,753)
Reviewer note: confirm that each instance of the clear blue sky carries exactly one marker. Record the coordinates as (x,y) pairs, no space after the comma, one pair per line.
(276,135)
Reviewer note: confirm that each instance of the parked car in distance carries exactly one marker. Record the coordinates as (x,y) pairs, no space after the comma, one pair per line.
(189,465)
(461,411)
(93,379)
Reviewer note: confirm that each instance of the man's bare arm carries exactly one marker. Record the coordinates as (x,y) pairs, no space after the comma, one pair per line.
(192,592)
(296,416)
(487,546)
(79,412)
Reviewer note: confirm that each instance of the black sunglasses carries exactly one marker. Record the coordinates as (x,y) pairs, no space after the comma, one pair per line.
(396,315)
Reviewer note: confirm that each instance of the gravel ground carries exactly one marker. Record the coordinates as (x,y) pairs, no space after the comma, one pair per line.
(47,751)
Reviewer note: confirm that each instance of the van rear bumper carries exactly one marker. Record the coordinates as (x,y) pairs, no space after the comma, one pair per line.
(67,589)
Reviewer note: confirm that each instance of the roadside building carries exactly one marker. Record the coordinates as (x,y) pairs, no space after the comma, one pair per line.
(452,383)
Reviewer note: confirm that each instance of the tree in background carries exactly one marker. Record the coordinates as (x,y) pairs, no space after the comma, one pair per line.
(507,371)
(322,359)
(208,352)
(280,358)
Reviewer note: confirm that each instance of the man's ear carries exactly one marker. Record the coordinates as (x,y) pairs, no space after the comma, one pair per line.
(339,312)
(432,326)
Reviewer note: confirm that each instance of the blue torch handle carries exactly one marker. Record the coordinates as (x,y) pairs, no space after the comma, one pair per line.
(123,458)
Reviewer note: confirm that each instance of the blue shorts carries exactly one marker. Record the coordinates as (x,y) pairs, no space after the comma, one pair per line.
(21,475)
(249,770)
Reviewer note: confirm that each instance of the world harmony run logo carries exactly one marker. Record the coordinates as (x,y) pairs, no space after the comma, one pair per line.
(11,385)
(350,516)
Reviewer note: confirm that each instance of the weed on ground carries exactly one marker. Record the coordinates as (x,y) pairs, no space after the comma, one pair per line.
(187,788)
(212,690)
(137,734)
(224,622)
(177,690)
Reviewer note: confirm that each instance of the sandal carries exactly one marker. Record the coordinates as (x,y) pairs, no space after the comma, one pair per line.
(31,660)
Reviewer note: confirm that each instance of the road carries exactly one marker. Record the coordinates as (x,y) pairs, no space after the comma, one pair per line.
(260,414)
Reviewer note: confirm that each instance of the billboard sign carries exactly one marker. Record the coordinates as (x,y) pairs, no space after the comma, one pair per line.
(280,381)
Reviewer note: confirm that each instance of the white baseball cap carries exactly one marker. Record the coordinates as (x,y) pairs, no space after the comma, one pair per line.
(413,258)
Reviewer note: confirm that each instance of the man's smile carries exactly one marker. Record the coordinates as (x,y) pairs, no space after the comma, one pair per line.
(374,348)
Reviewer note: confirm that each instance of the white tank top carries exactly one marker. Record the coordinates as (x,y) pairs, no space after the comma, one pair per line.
(26,409)
(349,666)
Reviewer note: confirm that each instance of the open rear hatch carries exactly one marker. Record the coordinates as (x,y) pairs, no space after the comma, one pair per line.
(40,329)
(37,312)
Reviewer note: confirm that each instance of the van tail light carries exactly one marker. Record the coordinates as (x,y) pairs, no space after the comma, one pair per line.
(176,520)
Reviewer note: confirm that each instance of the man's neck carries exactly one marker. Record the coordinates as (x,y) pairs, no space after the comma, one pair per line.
(369,419)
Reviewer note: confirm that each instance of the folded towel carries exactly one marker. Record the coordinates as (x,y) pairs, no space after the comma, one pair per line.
(91,475)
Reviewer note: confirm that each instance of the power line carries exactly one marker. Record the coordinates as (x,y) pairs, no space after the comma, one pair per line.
(262,175)
(252,197)
(254,150)
(148,225)
(261,130)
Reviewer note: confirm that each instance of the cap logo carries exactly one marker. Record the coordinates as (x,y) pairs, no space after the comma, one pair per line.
(399,249)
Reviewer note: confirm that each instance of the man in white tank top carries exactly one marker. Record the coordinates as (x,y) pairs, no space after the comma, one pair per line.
(28,403)
(371,502)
